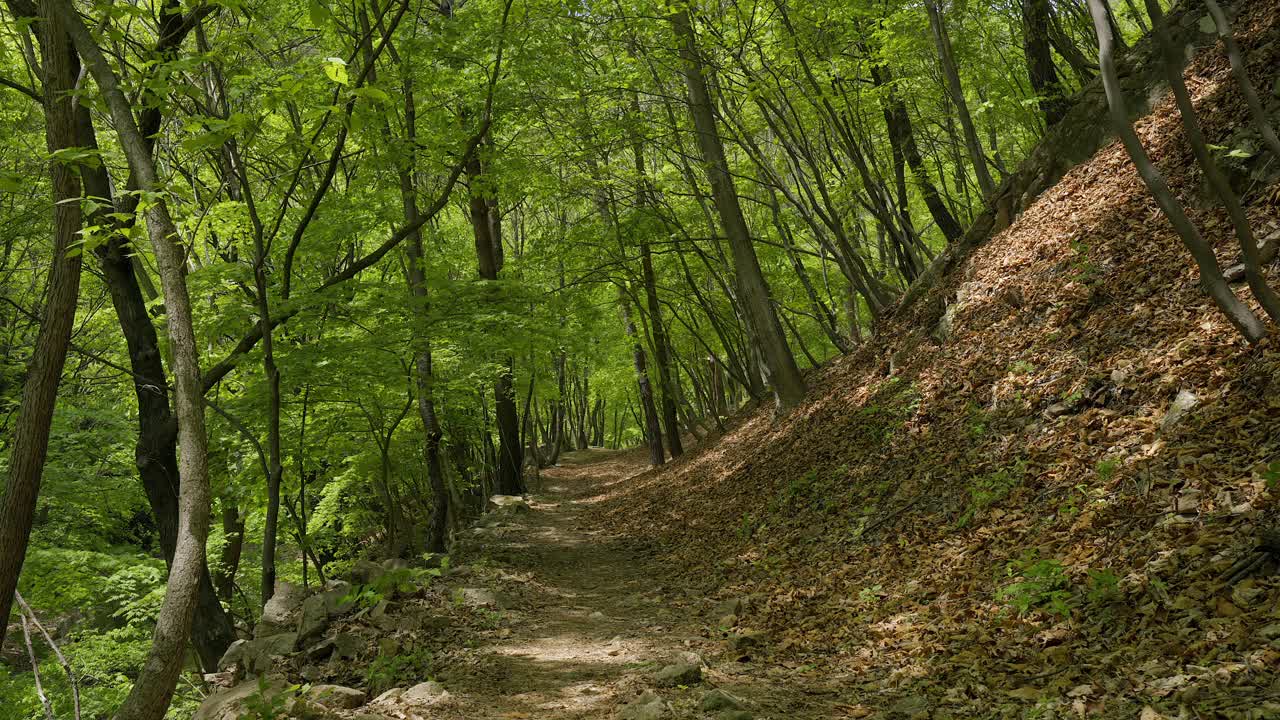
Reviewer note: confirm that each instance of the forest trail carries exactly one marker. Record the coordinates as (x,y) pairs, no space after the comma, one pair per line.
(595,622)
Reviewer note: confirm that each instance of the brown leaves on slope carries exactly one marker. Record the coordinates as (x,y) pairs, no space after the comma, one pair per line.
(897,522)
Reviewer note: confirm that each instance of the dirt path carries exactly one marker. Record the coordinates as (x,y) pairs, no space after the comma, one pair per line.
(588,621)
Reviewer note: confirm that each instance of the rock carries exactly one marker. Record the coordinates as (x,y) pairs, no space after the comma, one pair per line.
(746,639)
(731,607)
(321,650)
(510,504)
(381,616)
(389,696)
(281,611)
(480,597)
(395,564)
(596,616)
(314,619)
(388,647)
(1185,402)
(234,654)
(912,706)
(648,706)
(336,696)
(719,700)
(347,645)
(678,674)
(231,704)
(424,693)
(258,654)
(365,572)
(338,598)
(690,658)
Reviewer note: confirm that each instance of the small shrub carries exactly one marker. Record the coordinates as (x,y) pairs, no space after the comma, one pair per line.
(1037,584)
(987,490)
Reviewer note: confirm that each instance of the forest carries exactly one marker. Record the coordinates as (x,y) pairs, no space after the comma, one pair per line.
(642,359)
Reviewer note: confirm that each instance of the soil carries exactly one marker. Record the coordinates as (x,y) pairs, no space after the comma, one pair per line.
(592,617)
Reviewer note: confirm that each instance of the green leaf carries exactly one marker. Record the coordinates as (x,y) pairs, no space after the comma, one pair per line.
(336,69)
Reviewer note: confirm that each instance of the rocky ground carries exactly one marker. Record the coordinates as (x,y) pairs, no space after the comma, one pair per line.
(543,614)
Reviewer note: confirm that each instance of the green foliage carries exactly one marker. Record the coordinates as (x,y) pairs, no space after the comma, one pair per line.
(401,668)
(270,702)
(1036,584)
(987,490)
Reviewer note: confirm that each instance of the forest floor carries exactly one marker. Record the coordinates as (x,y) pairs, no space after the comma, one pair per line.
(589,620)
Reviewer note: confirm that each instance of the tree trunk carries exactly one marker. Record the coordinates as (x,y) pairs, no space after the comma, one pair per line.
(952,76)
(1040,68)
(1173,66)
(486,226)
(1210,273)
(155,450)
(753,290)
(30,441)
(652,428)
(154,687)
(902,135)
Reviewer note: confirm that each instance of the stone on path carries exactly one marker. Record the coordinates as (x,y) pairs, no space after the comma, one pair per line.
(648,706)
(719,700)
(678,674)
(336,696)
(426,692)
(480,597)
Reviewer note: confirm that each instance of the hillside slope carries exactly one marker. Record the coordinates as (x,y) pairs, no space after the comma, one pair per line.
(997,508)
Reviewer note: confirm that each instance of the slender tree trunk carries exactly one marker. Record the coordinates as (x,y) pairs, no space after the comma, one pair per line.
(154,687)
(902,135)
(155,450)
(424,374)
(1040,68)
(784,375)
(486,226)
(1173,66)
(233,543)
(30,441)
(1210,273)
(956,91)
(651,426)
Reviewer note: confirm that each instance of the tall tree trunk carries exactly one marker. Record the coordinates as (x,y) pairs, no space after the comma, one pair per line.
(155,450)
(1173,65)
(651,426)
(902,137)
(232,545)
(753,290)
(30,443)
(486,225)
(151,693)
(661,348)
(1211,277)
(424,374)
(952,77)
(1040,68)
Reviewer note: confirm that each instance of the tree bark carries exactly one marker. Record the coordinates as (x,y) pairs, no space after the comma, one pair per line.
(30,441)
(952,77)
(1173,66)
(1211,277)
(486,226)
(151,693)
(1039,54)
(902,137)
(753,290)
(652,428)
